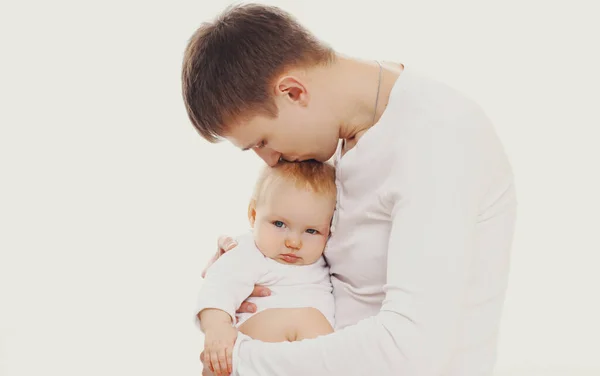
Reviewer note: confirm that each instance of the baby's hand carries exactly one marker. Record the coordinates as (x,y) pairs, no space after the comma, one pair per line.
(218,348)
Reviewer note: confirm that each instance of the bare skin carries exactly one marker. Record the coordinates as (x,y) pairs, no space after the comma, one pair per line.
(281,325)
(286,324)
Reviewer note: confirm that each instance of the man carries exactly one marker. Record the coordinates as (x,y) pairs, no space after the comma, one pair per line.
(426,204)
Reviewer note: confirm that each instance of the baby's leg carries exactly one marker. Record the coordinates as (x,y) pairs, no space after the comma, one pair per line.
(286,324)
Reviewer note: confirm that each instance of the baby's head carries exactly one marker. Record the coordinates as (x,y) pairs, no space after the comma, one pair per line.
(291,211)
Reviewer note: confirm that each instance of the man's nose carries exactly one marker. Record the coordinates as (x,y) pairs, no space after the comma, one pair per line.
(270,156)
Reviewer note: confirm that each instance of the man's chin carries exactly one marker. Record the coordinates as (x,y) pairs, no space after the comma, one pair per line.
(311,160)
(327,156)
(319,158)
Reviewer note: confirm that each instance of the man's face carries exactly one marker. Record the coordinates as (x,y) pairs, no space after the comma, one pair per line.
(304,128)
(288,136)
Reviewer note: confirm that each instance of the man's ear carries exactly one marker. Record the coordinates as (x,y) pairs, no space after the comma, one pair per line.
(292,89)
(252,212)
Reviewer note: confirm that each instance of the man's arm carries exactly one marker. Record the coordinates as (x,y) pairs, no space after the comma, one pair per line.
(430,248)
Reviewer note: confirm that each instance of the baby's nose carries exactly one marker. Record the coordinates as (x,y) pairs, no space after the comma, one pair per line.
(293,242)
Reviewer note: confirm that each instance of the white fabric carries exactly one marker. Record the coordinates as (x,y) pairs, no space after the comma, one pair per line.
(232,277)
(419,256)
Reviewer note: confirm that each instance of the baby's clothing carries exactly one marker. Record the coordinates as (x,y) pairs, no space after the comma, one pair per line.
(231,279)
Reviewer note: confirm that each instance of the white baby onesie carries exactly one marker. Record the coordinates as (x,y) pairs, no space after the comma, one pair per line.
(231,279)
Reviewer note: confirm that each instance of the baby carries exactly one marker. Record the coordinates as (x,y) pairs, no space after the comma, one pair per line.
(290,214)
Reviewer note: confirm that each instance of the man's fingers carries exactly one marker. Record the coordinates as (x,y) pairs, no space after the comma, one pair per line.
(212,261)
(247,307)
(260,291)
(226,243)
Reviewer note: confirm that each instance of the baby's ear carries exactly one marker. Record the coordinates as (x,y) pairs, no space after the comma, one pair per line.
(252,212)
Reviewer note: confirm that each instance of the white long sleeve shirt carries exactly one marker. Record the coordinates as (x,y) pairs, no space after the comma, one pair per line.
(419,255)
(232,277)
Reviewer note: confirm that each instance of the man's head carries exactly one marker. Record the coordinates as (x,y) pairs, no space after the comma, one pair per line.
(291,211)
(246,78)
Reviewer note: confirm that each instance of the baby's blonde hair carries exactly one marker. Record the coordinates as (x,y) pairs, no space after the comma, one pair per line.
(311,175)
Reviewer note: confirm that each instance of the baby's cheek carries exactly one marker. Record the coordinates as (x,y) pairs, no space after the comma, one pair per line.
(268,241)
(317,245)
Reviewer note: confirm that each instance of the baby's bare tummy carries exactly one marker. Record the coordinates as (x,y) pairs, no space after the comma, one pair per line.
(286,324)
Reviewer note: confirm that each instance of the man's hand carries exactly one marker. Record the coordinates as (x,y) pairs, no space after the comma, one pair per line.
(224,244)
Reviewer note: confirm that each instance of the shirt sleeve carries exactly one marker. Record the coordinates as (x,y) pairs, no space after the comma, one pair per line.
(230,280)
(437,174)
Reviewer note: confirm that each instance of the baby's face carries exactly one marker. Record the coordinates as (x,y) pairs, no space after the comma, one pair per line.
(291,225)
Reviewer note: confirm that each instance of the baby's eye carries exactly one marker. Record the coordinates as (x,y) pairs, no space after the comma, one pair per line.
(312,231)
(260,145)
(278,224)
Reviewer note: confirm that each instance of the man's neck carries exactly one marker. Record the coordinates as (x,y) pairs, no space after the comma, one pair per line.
(358,81)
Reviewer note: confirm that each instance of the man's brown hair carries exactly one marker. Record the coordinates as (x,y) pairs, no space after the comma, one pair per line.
(230,63)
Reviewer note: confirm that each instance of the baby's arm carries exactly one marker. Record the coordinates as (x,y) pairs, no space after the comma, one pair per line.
(230,280)
(227,284)
(220,335)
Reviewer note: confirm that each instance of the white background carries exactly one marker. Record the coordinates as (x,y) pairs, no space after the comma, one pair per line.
(110,203)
